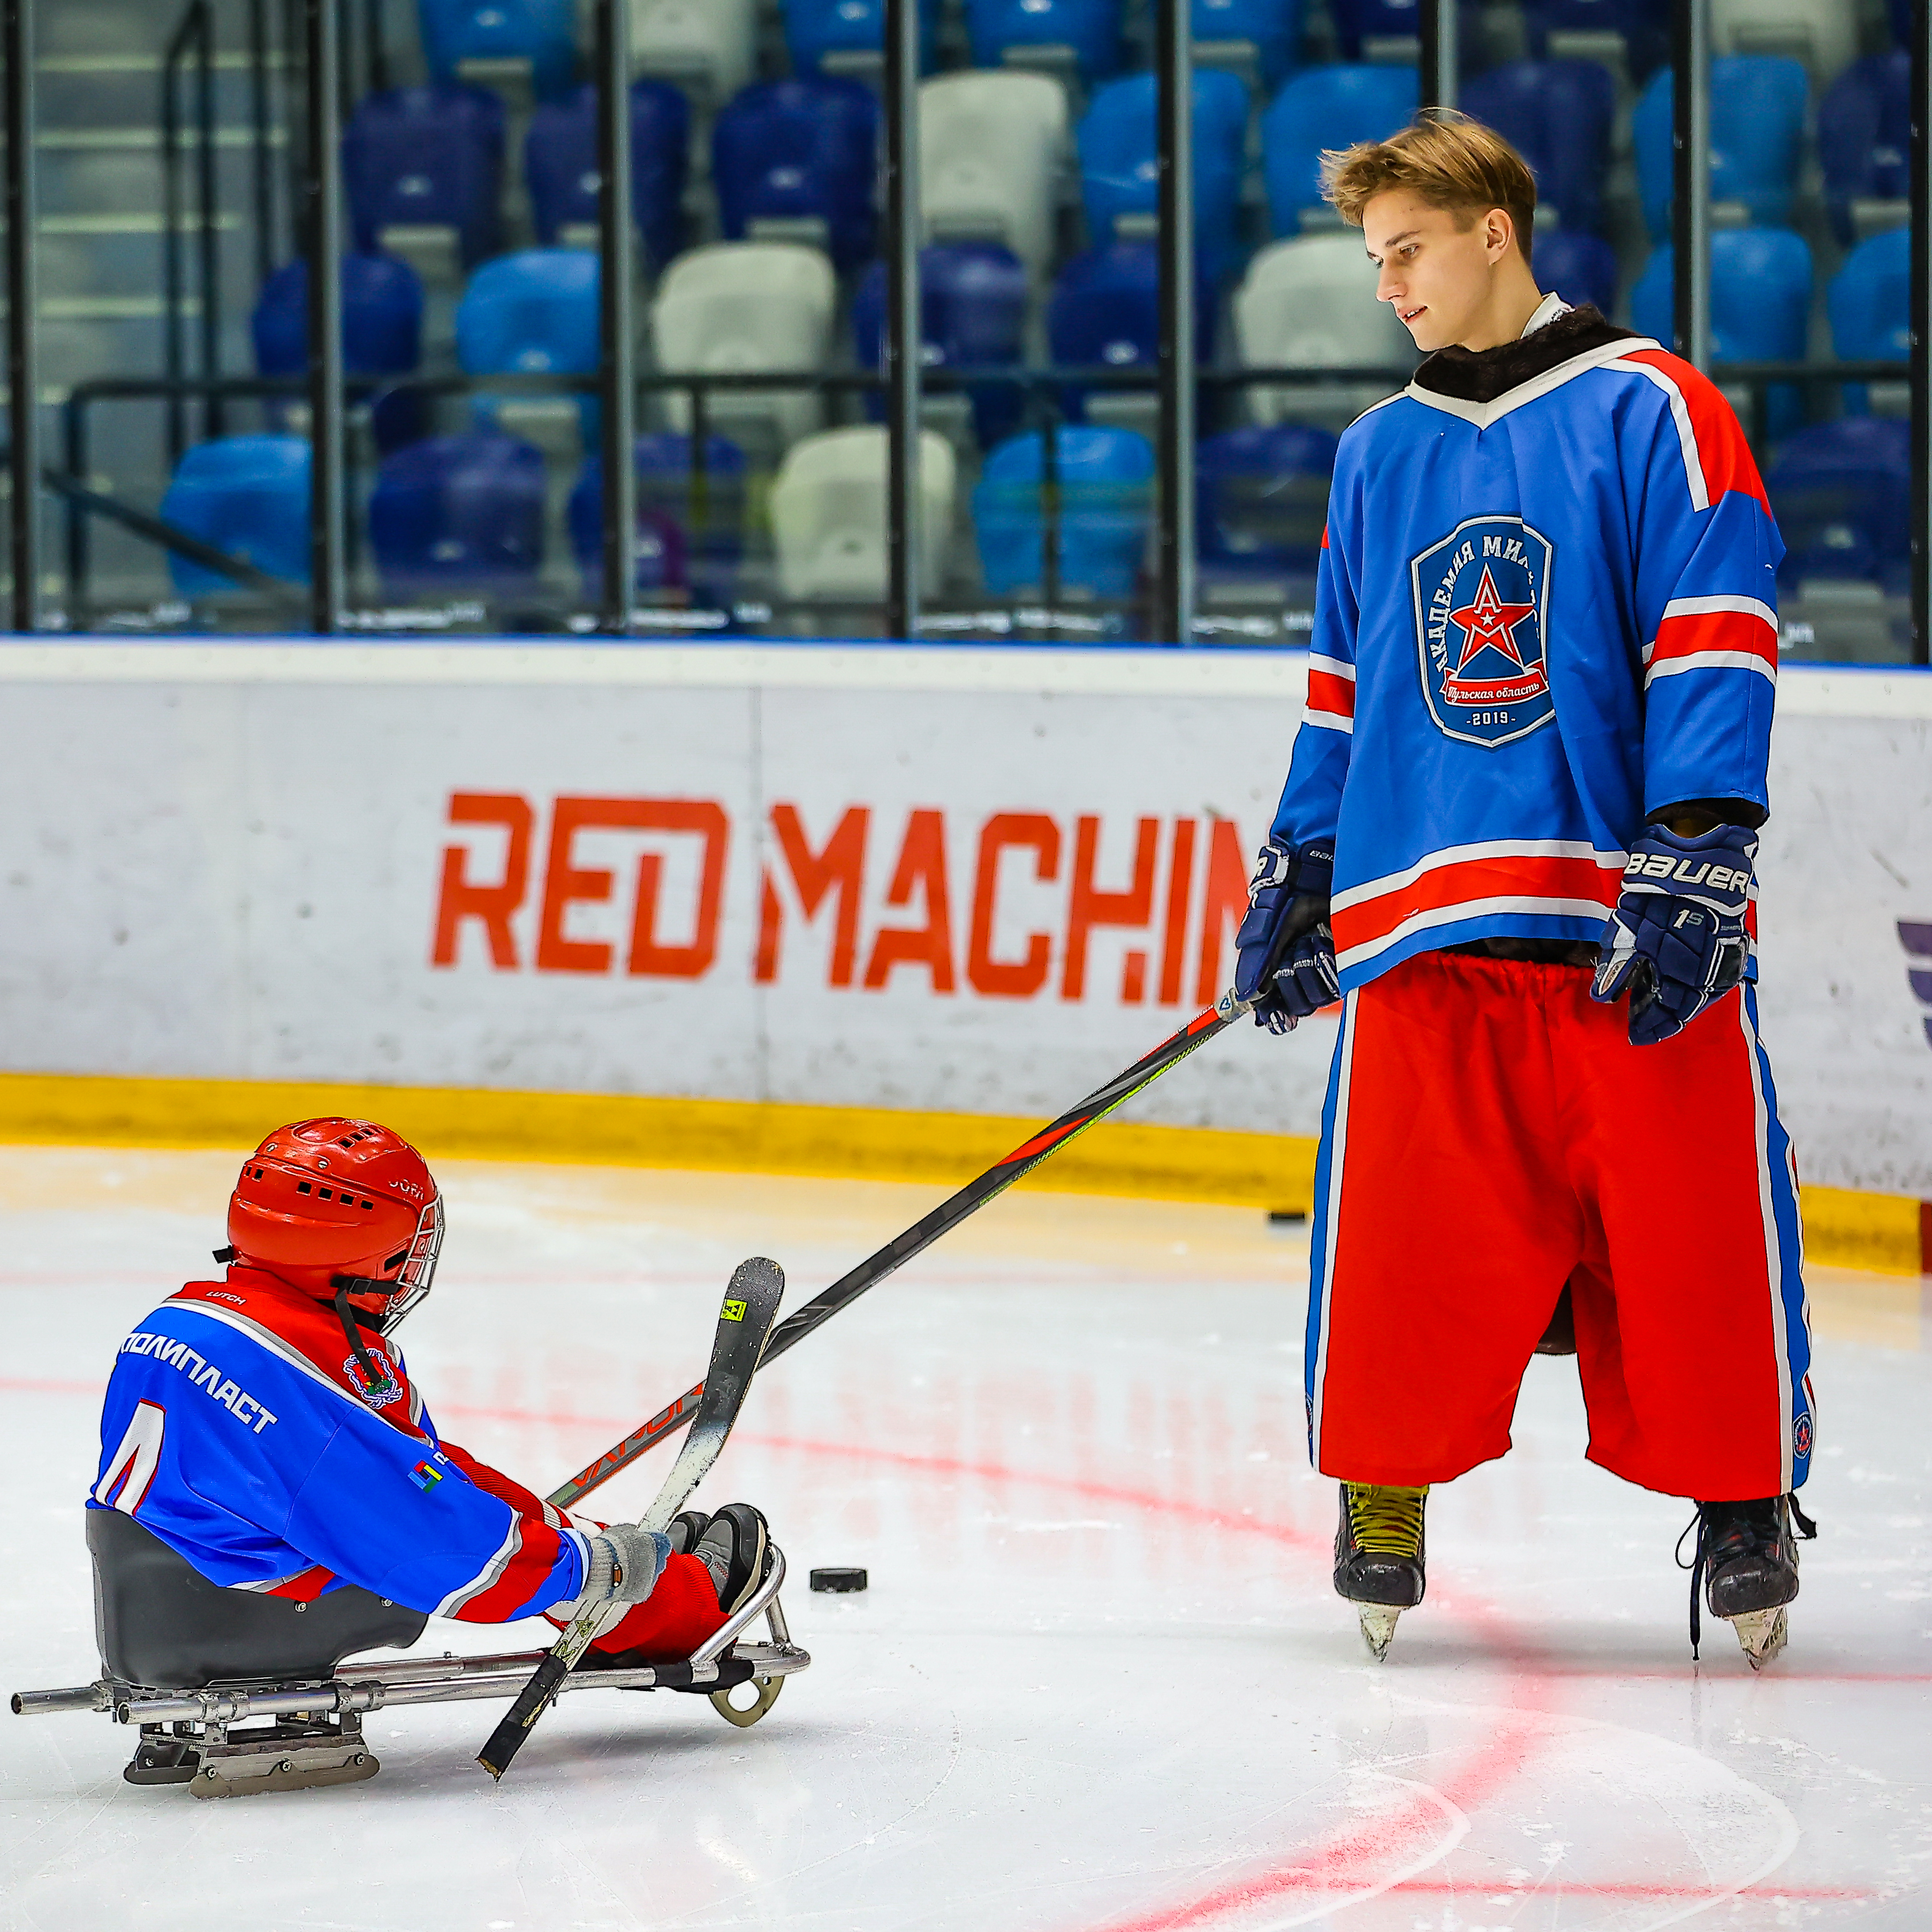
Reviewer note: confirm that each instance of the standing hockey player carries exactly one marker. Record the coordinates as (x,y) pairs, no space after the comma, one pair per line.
(1517,840)
(264,1430)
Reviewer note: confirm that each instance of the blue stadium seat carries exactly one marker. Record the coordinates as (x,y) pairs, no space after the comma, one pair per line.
(1864,135)
(1869,300)
(1643,25)
(1360,22)
(1760,305)
(1556,114)
(684,540)
(533,311)
(1757,131)
(1842,494)
(1091,28)
(972,307)
(542,31)
(426,155)
(1262,499)
(1326,107)
(1898,13)
(1273,27)
(560,164)
(382,333)
(248,495)
(799,150)
(1120,175)
(1106,509)
(459,514)
(1579,268)
(815,28)
(1105,311)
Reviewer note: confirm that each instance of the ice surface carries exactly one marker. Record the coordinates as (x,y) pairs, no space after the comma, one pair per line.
(1100,1683)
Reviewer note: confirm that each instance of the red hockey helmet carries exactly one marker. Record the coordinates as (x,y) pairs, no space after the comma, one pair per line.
(328,1203)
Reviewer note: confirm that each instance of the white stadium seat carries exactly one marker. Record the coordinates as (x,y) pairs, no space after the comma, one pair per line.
(1311,303)
(1823,34)
(828,515)
(991,148)
(751,306)
(709,46)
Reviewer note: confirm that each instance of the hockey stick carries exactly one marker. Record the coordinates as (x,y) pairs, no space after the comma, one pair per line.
(921,1235)
(744,1324)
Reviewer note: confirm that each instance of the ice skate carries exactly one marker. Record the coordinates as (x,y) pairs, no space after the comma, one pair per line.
(1746,1561)
(1378,1557)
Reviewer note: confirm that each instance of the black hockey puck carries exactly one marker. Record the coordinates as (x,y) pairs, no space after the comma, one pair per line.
(1286,1217)
(841,1581)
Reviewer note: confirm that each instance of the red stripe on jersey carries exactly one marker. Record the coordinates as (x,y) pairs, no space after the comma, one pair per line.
(1525,878)
(1722,449)
(304,1588)
(1716,631)
(523,1578)
(1327,692)
(1325,536)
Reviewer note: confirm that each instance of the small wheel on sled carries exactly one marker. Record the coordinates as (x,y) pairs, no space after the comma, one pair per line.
(766,1689)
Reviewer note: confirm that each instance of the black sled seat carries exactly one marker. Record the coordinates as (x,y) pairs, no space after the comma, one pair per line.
(162,1624)
(238,1693)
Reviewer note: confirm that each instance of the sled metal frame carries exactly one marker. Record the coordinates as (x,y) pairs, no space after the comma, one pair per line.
(314,1734)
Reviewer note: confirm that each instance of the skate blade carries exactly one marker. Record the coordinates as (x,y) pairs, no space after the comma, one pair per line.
(1378,1628)
(1762,1633)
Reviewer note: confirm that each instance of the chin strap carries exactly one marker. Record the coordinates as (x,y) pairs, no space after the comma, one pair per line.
(344,1283)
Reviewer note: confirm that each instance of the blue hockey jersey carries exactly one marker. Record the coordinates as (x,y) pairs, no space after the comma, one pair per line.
(1539,619)
(241,1429)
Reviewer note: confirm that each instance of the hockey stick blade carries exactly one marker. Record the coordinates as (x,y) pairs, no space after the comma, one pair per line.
(921,1235)
(744,1327)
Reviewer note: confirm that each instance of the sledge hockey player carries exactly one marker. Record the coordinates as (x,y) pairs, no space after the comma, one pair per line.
(263,1432)
(1517,841)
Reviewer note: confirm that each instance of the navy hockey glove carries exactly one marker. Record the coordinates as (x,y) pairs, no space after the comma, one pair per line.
(1284,952)
(1677,939)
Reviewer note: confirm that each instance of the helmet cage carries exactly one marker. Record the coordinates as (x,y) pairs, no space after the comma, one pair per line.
(411,1282)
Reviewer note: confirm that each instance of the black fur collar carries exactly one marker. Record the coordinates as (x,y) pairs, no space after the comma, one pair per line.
(1482,375)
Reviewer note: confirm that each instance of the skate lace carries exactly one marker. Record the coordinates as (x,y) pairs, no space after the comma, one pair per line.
(1386,1521)
(1743,1536)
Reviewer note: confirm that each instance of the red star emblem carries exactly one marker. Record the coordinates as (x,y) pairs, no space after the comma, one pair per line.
(1488,622)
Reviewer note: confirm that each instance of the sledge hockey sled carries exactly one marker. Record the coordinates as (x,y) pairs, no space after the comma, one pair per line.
(190,1664)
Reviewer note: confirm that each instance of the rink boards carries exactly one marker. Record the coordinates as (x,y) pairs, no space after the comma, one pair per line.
(951,881)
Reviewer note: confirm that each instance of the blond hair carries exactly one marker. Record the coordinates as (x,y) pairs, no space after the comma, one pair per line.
(1446,160)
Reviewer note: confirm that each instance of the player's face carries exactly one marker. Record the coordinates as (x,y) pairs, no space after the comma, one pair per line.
(1436,276)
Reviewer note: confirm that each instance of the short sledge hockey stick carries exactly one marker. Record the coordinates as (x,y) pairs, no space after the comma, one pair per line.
(744,1324)
(921,1234)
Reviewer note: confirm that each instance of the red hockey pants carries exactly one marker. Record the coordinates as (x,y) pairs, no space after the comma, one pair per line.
(672,1621)
(1489,1134)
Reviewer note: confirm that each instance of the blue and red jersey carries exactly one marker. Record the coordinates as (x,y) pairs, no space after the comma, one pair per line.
(1540,618)
(239,1427)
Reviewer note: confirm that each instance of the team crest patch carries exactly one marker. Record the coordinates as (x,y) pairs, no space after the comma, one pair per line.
(383,1390)
(1800,1438)
(1482,608)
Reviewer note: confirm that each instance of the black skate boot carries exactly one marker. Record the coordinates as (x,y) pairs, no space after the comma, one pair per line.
(1746,1561)
(734,1548)
(1379,1556)
(686,1527)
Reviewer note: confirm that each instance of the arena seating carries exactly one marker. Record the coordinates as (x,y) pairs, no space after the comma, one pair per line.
(1864,143)
(709,47)
(796,161)
(1077,36)
(847,36)
(1842,493)
(973,309)
(1869,300)
(1105,500)
(488,41)
(737,306)
(1557,113)
(423,172)
(1262,499)
(1376,29)
(989,152)
(459,515)
(828,508)
(685,539)
(1326,107)
(1632,35)
(1311,302)
(1579,268)
(534,312)
(1822,33)
(1757,129)
(560,165)
(248,495)
(1261,34)
(1120,180)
